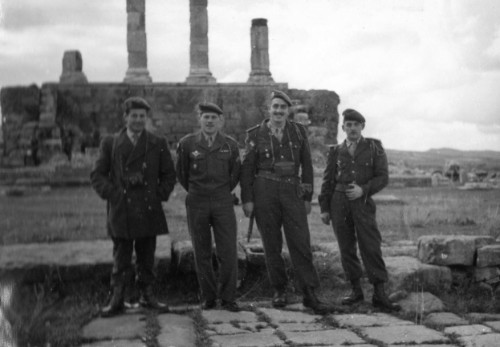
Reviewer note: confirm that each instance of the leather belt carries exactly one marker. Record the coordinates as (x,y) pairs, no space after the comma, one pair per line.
(341,187)
(273,177)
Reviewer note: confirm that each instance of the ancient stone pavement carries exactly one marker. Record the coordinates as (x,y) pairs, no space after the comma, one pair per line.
(261,326)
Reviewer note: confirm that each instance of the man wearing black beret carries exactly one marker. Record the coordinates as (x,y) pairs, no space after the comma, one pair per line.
(134,173)
(208,167)
(356,169)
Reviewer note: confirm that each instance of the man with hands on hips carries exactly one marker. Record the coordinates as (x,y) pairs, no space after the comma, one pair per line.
(356,169)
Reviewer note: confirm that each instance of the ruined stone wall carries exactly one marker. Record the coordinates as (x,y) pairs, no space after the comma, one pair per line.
(85,106)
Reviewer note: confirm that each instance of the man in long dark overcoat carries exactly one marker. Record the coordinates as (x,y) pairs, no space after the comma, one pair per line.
(134,173)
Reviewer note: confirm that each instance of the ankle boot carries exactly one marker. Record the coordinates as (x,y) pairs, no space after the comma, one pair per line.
(380,299)
(148,300)
(355,296)
(116,303)
(311,301)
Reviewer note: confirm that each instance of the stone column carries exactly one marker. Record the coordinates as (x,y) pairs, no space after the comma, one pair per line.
(199,72)
(260,52)
(137,71)
(72,72)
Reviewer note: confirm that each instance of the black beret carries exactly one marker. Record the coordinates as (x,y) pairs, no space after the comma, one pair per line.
(209,107)
(280,95)
(353,115)
(136,102)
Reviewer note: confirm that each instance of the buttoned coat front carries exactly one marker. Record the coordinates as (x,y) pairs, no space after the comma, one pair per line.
(134,210)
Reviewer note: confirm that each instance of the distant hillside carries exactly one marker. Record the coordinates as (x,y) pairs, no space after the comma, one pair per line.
(436,159)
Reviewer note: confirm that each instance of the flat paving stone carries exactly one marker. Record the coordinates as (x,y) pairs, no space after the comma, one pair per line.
(253,326)
(282,316)
(225,329)
(126,327)
(176,330)
(365,320)
(486,340)
(291,327)
(265,338)
(222,316)
(116,343)
(324,337)
(495,325)
(416,334)
(468,330)
(444,319)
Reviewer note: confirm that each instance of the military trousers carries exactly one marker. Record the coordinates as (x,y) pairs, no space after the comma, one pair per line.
(122,261)
(203,214)
(277,204)
(354,223)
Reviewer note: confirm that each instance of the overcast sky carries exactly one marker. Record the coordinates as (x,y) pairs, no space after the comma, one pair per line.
(425,73)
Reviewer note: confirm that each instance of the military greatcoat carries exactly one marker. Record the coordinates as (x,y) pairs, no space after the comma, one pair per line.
(134,210)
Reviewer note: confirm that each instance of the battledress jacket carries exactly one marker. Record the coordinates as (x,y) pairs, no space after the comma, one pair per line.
(368,169)
(134,211)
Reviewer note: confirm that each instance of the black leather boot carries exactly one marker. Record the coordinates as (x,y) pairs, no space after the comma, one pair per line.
(279,298)
(116,303)
(311,301)
(355,296)
(148,300)
(380,299)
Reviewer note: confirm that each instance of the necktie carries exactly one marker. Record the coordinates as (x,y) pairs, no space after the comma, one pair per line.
(352,148)
(210,141)
(278,133)
(135,138)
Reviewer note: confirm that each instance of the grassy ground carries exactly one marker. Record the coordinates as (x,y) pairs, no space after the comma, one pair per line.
(54,313)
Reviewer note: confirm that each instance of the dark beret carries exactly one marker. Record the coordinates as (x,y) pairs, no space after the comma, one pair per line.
(136,102)
(280,95)
(353,115)
(209,107)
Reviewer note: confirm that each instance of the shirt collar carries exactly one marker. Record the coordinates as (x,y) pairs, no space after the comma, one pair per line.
(206,136)
(131,134)
(349,143)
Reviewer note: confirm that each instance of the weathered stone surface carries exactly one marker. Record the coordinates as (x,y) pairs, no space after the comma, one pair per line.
(281,316)
(495,325)
(70,260)
(416,334)
(226,329)
(116,343)
(486,340)
(136,6)
(322,337)
(260,52)
(221,316)
(126,326)
(444,319)
(488,256)
(486,273)
(265,338)
(294,327)
(407,273)
(72,72)
(176,330)
(253,326)
(136,41)
(450,250)
(468,330)
(358,320)
(421,303)
(479,317)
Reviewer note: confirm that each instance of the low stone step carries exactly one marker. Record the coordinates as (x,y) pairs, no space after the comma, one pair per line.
(70,261)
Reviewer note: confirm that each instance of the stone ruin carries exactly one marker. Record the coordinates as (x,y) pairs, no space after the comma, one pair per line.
(82,108)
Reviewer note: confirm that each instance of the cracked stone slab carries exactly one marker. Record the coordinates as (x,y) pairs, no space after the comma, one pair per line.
(116,343)
(225,329)
(126,327)
(486,340)
(222,316)
(296,327)
(176,330)
(416,334)
(468,330)
(444,319)
(265,338)
(495,325)
(365,320)
(281,316)
(253,326)
(324,337)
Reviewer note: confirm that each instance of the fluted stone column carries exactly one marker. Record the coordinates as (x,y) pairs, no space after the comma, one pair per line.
(137,71)
(259,37)
(199,72)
